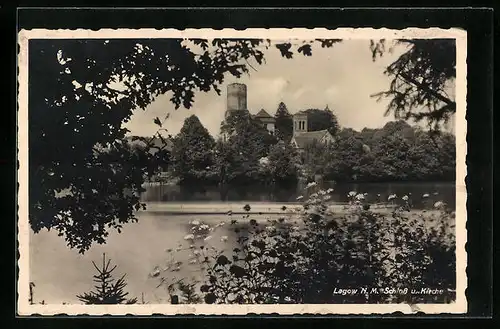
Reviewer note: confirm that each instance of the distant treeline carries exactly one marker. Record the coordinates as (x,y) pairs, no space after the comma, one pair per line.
(249,154)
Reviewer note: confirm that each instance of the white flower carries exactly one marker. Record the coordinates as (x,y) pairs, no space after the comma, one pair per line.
(313,195)
(300,197)
(311,184)
(223,238)
(189,237)
(391,197)
(287,299)
(156,272)
(330,190)
(405,198)
(207,238)
(204,227)
(321,192)
(352,194)
(195,222)
(439,204)
(360,197)
(326,197)
(426,195)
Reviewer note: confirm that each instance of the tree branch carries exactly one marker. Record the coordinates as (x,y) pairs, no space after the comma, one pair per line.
(426,89)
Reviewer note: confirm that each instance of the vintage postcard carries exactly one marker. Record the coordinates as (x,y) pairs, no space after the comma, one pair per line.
(285,171)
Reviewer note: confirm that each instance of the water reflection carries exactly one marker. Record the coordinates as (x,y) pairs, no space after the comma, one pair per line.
(258,193)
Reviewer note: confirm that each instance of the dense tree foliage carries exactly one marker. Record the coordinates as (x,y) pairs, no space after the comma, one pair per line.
(193,152)
(283,163)
(247,142)
(396,152)
(344,158)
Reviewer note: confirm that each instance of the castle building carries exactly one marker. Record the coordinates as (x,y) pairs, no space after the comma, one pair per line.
(267,120)
(236,98)
(237,101)
(302,137)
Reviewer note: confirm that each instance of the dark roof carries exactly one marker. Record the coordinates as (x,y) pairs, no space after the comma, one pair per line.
(263,114)
(305,138)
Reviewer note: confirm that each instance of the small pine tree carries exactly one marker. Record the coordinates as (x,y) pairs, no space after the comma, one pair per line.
(108,291)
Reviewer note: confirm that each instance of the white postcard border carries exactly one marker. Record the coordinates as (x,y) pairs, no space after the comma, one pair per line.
(459,307)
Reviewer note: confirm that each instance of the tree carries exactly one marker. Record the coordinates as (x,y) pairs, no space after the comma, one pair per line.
(391,159)
(322,119)
(344,160)
(192,152)
(108,291)
(282,163)
(284,123)
(248,142)
(421,79)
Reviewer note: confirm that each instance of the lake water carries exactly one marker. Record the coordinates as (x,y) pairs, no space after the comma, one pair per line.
(60,274)
(439,191)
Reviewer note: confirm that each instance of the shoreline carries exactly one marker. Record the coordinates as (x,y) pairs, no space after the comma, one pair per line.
(256,208)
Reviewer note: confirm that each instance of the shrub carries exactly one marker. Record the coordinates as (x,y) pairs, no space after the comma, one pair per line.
(304,261)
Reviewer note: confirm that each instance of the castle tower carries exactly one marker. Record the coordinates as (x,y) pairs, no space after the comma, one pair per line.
(236,98)
(299,123)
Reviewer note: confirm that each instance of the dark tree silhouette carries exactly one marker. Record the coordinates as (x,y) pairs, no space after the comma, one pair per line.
(193,151)
(421,79)
(284,123)
(248,141)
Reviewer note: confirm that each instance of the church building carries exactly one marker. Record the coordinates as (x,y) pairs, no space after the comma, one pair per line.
(237,101)
(302,137)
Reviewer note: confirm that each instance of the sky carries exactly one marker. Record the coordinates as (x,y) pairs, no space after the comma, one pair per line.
(342,77)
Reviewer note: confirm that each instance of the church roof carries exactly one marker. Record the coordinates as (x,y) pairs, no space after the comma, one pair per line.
(263,114)
(306,138)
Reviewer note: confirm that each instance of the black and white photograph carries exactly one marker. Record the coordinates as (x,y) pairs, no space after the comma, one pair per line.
(229,172)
